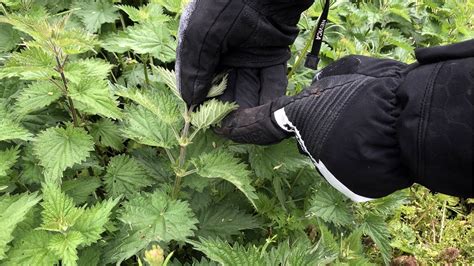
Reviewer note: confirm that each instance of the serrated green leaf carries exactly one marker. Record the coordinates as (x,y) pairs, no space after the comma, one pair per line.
(160,102)
(8,158)
(221,252)
(9,37)
(126,176)
(60,148)
(30,64)
(211,113)
(281,158)
(150,12)
(80,69)
(175,6)
(37,96)
(149,218)
(93,96)
(59,212)
(330,205)
(375,227)
(224,222)
(142,126)
(32,250)
(81,188)
(94,13)
(169,78)
(89,256)
(165,218)
(223,165)
(13,210)
(106,133)
(10,130)
(91,224)
(65,246)
(152,38)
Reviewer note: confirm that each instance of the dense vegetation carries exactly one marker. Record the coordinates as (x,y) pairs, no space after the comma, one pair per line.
(101,163)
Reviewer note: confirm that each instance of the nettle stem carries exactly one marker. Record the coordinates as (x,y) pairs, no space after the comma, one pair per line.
(184,142)
(60,70)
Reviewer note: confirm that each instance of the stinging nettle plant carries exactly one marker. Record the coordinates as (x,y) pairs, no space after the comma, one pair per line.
(101,161)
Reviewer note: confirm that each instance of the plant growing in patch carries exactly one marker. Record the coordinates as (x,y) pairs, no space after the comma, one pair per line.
(101,162)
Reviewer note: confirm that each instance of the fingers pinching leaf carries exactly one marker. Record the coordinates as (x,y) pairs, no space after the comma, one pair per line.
(211,113)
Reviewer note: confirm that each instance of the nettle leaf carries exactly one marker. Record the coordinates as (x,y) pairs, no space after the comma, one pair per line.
(77,70)
(150,12)
(126,176)
(10,129)
(223,165)
(330,205)
(81,188)
(60,148)
(211,113)
(169,78)
(276,159)
(160,102)
(142,126)
(13,210)
(106,133)
(37,96)
(59,212)
(91,224)
(93,96)
(94,13)
(90,256)
(148,218)
(227,255)
(152,38)
(29,64)
(164,218)
(9,37)
(65,246)
(8,158)
(375,227)
(32,249)
(175,6)
(224,222)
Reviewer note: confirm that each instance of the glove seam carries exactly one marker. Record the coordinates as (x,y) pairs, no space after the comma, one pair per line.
(424,119)
(205,39)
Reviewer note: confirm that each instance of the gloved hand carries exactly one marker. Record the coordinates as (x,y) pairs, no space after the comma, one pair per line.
(249,39)
(345,121)
(374,126)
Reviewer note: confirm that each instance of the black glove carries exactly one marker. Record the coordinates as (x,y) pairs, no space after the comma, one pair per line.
(248,38)
(374,126)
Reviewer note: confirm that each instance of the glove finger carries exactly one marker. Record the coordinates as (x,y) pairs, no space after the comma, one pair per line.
(273,83)
(245,84)
(202,31)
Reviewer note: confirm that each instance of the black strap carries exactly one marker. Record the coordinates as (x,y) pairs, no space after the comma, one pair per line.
(312,59)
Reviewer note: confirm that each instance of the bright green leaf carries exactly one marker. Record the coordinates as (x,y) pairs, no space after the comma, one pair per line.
(211,113)
(94,13)
(13,210)
(59,212)
(60,148)
(223,165)
(106,133)
(37,96)
(65,246)
(126,176)
(8,158)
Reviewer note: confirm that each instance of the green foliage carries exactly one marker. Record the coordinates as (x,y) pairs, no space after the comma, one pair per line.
(221,164)
(13,210)
(91,118)
(59,148)
(125,176)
